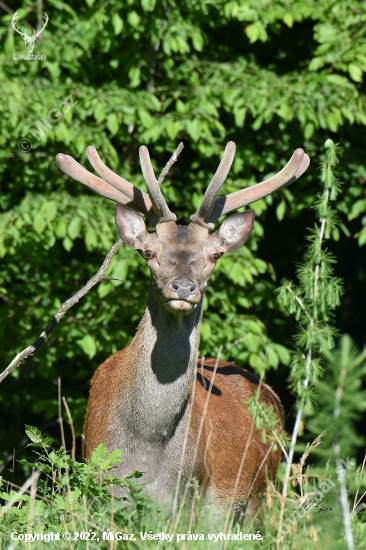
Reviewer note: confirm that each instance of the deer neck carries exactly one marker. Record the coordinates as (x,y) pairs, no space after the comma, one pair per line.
(163,355)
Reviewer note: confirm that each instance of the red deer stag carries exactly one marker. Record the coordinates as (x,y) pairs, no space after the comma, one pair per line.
(141,397)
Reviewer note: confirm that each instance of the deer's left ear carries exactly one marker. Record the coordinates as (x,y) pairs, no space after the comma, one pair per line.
(234,231)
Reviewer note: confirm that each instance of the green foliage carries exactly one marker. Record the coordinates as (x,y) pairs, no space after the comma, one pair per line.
(78,499)
(333,453)
(65,489)
(346,368)
(318,292)
(312,302)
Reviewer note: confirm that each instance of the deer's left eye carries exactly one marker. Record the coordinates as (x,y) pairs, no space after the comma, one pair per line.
(149,254)
(215,257)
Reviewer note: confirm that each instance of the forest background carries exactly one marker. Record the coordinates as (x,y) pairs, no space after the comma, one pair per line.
(270,76)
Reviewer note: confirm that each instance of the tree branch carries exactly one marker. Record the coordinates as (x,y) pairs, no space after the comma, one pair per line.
(169,164)
(61,312)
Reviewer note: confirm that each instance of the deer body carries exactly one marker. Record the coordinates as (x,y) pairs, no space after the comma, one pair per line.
(148,385)
(167,412)
(145,412)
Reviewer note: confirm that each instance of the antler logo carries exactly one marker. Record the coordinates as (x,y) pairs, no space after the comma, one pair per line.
(29,40)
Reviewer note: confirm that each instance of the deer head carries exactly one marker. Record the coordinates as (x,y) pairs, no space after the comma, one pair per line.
(29,40)
(181,258)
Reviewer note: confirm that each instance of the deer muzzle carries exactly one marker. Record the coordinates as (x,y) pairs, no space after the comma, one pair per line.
(182,294)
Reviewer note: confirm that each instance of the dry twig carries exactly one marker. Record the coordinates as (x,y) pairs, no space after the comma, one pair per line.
(170,163)
(61,312)
(24,488)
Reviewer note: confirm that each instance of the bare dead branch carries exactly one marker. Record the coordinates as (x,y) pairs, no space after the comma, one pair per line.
(30,481)
(6,8)
(22,444)
(73,449)
(61,312)
(60,414)
(170,163)
(10,11)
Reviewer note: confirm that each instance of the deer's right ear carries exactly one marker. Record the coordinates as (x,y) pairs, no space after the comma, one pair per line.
(131,226)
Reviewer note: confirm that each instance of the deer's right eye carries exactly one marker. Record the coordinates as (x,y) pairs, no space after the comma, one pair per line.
(149,254)
(215,257)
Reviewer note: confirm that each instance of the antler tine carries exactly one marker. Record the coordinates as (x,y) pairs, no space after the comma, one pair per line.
(133,193)
(293,170)
(159,205)
(203,214)
(73,169)
(303,166)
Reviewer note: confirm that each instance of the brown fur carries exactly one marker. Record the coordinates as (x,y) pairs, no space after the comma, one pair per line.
(226,425)
(226,430)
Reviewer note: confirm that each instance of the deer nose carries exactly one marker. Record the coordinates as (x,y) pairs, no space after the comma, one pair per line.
(183,287)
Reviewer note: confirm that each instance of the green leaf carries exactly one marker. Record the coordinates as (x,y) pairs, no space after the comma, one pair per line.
(133,18)
(197,41)
(99,454)
(288,19)
(205,331)
(282,353)
(47,441)
(67,243)
(120,271)
(180,106)
(240,115)
(112,123)
(100,113)
(194,128)
(358,208)
(61,228)
(148,5)
(104,289)
(256,31)
(348,114)
(145,117)
(236,272)
(281,210)
(355,72)
(26,463)
(51,210)
(173,129)
(134,75)
(309,130)
(252,32)
(117,23)
(34,434)
(316,63)
(91,239)
(39,222)
(88,345)
(74,228)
